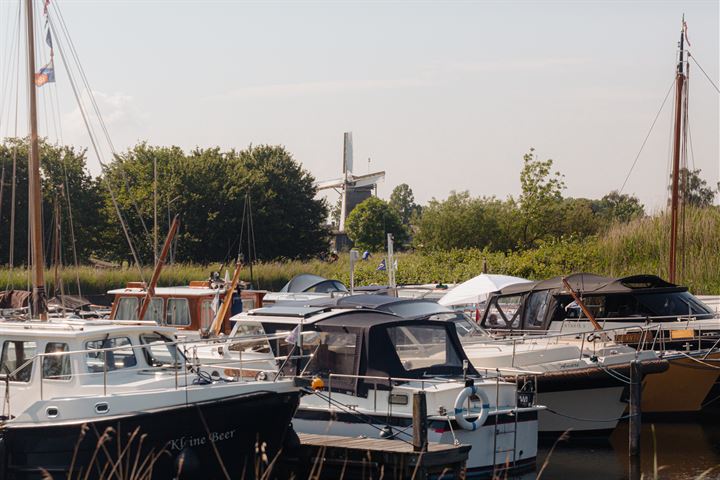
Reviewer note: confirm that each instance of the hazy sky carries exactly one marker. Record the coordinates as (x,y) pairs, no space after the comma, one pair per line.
(442,95)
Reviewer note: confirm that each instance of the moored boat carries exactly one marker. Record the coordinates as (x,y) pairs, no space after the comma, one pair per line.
(86,395)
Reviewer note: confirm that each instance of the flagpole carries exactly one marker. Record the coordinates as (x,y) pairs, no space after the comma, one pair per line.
(39,306)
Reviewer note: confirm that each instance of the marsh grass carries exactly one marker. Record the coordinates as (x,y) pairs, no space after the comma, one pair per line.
(640,246)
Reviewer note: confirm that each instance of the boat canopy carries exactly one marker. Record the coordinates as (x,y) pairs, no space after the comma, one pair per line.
(589,283)
(307,282)
(361,343)
(536,305)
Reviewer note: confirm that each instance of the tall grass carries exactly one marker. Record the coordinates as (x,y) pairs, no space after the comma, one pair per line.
(637,247)
(644,246)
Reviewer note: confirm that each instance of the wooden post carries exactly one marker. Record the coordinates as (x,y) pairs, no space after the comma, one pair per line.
(420,441)
(635,420)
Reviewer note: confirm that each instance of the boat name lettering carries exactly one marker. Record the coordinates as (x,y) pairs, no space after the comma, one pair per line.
(185,441)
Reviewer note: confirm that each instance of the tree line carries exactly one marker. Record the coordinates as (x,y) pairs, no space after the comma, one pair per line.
(260,202)
(541,213)
(214,192)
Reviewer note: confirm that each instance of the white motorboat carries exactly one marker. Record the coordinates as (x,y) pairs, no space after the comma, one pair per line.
(81,396)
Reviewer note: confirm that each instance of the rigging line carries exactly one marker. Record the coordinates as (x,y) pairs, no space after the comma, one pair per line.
(692,152)
(13,190)
(13,59)
(98,114)
(72,226)
(627,177)
(81,70)
(97,152)
(683,205)
(704,72)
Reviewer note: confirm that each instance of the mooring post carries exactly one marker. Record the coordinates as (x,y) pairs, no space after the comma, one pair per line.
(420,443)
(635,419)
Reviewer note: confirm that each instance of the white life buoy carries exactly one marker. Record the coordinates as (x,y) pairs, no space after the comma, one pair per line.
(464,394)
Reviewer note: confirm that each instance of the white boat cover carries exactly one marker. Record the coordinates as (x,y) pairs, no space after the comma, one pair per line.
(477,289)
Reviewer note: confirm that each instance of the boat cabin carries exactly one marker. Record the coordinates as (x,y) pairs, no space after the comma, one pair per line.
(614,302)
(350,340)
(191,307)
(34,354)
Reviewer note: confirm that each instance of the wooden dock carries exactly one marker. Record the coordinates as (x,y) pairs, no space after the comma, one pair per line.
(333,457)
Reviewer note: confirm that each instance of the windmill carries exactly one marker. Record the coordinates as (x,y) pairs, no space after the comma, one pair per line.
(352,188)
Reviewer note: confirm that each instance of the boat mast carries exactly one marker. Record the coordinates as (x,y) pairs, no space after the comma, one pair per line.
(39,304)
(674,199)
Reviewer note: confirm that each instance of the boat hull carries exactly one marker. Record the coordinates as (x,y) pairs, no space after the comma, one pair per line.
(683,387)
(587,412)
(200,439)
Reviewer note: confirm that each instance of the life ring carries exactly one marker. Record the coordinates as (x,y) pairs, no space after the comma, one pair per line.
(464,394)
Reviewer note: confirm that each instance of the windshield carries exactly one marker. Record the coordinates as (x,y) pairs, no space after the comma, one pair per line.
(159,350)
(673,304)
(423,347)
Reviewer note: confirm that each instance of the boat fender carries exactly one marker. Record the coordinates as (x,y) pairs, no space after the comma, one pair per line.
(464,394)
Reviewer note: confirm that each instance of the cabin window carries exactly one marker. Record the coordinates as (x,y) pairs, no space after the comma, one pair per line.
(159,350)
(335,353)
(253,338)
(178,312)
(114,354)
(15,354)
(535,309)
(423,346)
(127,308)
(154,311)
(207,314)
(504,312)
(56,365)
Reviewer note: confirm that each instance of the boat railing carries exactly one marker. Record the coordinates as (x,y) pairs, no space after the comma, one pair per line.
(651,337)
(182,361)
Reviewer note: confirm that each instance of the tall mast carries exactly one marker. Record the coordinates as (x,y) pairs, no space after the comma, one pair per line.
(39,305)
(674,199)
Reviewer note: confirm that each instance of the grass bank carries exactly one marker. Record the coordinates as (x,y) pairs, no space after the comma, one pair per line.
(637,247)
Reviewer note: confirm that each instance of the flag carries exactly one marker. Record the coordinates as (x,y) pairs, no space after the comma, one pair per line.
(381,267)
(395,264)
(48,40)
(45,75)
(46,4)
(293,336)
(685,32)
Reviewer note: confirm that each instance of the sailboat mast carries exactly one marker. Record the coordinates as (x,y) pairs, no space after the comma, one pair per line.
(674,199)
(39,305)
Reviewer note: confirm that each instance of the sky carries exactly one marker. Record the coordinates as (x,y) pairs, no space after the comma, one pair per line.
(441,95)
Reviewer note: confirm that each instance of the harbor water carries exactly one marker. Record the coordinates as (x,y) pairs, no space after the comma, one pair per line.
(684,449)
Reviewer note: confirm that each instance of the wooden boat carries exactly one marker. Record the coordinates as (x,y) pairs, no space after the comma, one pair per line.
(192,308)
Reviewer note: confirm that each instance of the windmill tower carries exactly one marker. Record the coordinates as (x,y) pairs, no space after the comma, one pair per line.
(353,189)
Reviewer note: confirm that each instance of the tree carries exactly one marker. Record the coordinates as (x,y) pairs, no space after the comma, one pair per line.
(369,223)
(578,219)
(541,198)
(402,201)
(65,183)
(694,190)
(211,189)
(619,207)
(461,221)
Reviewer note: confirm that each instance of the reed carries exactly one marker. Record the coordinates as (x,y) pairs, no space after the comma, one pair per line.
(640,246)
